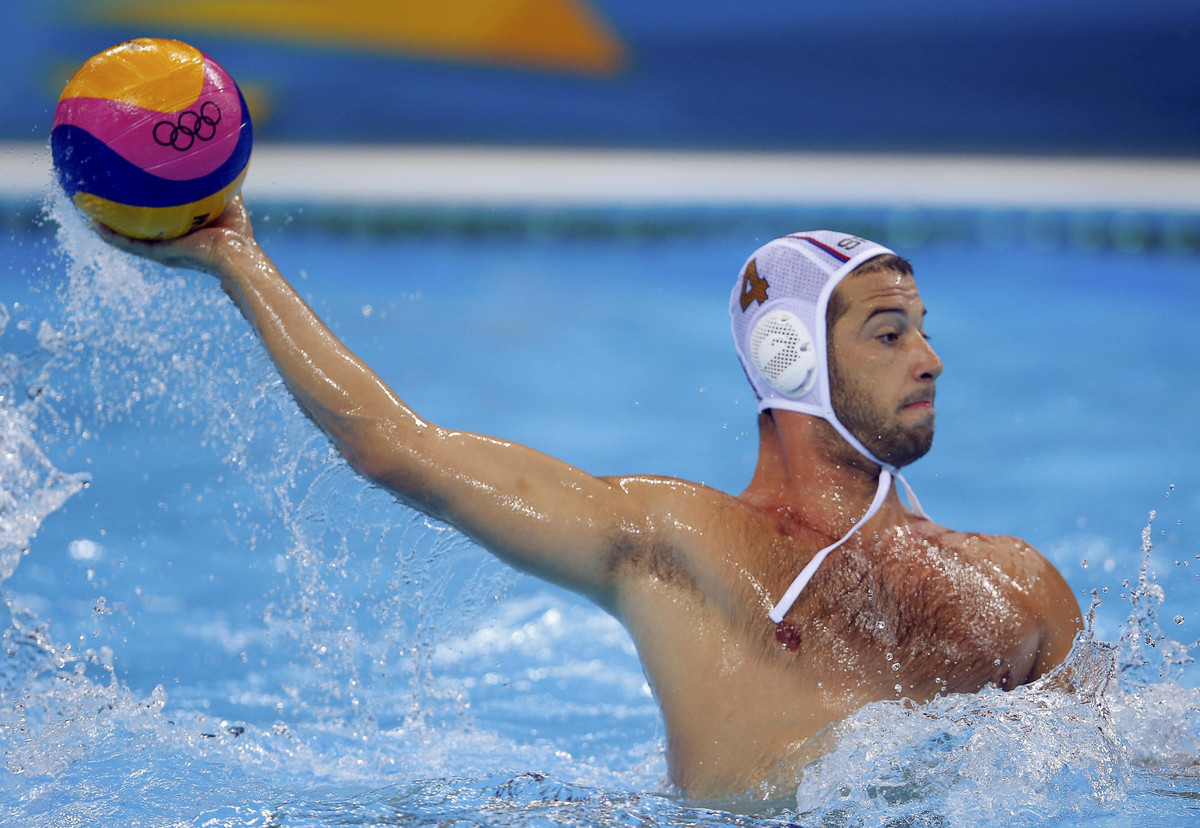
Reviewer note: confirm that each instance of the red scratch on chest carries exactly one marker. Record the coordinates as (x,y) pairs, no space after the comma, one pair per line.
(788,636)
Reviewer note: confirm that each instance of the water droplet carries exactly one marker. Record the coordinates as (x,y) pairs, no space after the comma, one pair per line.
(85,550)
(888,656)
(1084,563)
(1178,619)
(899,689)
(996,662)
(896,667)
(879,625)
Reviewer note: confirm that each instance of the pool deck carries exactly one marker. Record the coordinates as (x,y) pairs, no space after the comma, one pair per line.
(415,175)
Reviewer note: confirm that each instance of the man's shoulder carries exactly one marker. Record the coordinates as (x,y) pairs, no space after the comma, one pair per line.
(704,519)
(692,528)
(1021,564)
(1045,592)
(1017,559)
(676,497)
(1006,547)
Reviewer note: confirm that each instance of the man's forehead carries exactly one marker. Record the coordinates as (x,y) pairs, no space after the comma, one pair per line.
(871,288)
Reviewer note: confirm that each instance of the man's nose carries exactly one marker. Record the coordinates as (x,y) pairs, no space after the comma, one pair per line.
(928,364)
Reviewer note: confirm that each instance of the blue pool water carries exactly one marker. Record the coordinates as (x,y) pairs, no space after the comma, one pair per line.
(209,621)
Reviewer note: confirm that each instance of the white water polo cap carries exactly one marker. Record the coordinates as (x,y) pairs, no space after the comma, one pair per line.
(778,310)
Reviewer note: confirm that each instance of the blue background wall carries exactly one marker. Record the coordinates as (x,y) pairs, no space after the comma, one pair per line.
(1050,76)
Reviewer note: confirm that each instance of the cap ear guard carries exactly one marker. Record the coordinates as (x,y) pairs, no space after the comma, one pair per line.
(783,352)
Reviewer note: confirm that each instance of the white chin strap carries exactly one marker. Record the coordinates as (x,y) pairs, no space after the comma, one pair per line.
(886,473)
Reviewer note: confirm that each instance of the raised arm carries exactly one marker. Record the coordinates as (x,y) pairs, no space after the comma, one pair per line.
(538,513)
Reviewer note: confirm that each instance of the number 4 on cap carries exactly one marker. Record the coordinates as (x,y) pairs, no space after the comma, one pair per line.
(754,288)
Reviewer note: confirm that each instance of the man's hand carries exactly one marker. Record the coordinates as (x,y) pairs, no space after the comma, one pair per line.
(206,249)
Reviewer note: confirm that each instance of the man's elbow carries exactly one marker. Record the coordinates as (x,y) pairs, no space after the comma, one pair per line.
(370,448)
(381,454)
(365,460)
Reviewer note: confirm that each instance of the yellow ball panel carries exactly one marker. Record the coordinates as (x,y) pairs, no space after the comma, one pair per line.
(157,222)
(156,74)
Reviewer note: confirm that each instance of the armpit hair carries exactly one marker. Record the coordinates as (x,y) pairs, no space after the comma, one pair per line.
(658,559)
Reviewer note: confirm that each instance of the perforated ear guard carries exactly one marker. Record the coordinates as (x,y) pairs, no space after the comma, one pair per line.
(783,351)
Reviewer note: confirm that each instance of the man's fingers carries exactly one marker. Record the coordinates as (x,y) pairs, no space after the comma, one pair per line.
(193,251)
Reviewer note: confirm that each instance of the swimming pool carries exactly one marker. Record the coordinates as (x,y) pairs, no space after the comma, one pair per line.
(217,624)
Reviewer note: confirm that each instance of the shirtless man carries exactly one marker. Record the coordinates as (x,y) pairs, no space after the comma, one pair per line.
(747,662)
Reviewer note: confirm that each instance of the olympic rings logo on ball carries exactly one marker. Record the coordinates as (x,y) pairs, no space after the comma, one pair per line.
(190,127)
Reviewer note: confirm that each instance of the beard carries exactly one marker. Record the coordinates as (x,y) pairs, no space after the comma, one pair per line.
(876,428)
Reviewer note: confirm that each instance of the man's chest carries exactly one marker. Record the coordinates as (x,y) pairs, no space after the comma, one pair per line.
(920,616)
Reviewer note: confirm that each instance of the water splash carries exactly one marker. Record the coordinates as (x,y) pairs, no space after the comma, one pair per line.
(1159,718)
(1027,757)
(31,488)
(508,800)
(363,588)
(1146,654)
(1074,746)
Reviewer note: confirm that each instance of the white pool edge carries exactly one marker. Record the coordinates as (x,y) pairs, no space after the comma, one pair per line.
(388,175)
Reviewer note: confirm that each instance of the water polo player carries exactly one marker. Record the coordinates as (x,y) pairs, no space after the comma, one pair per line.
(759,618)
